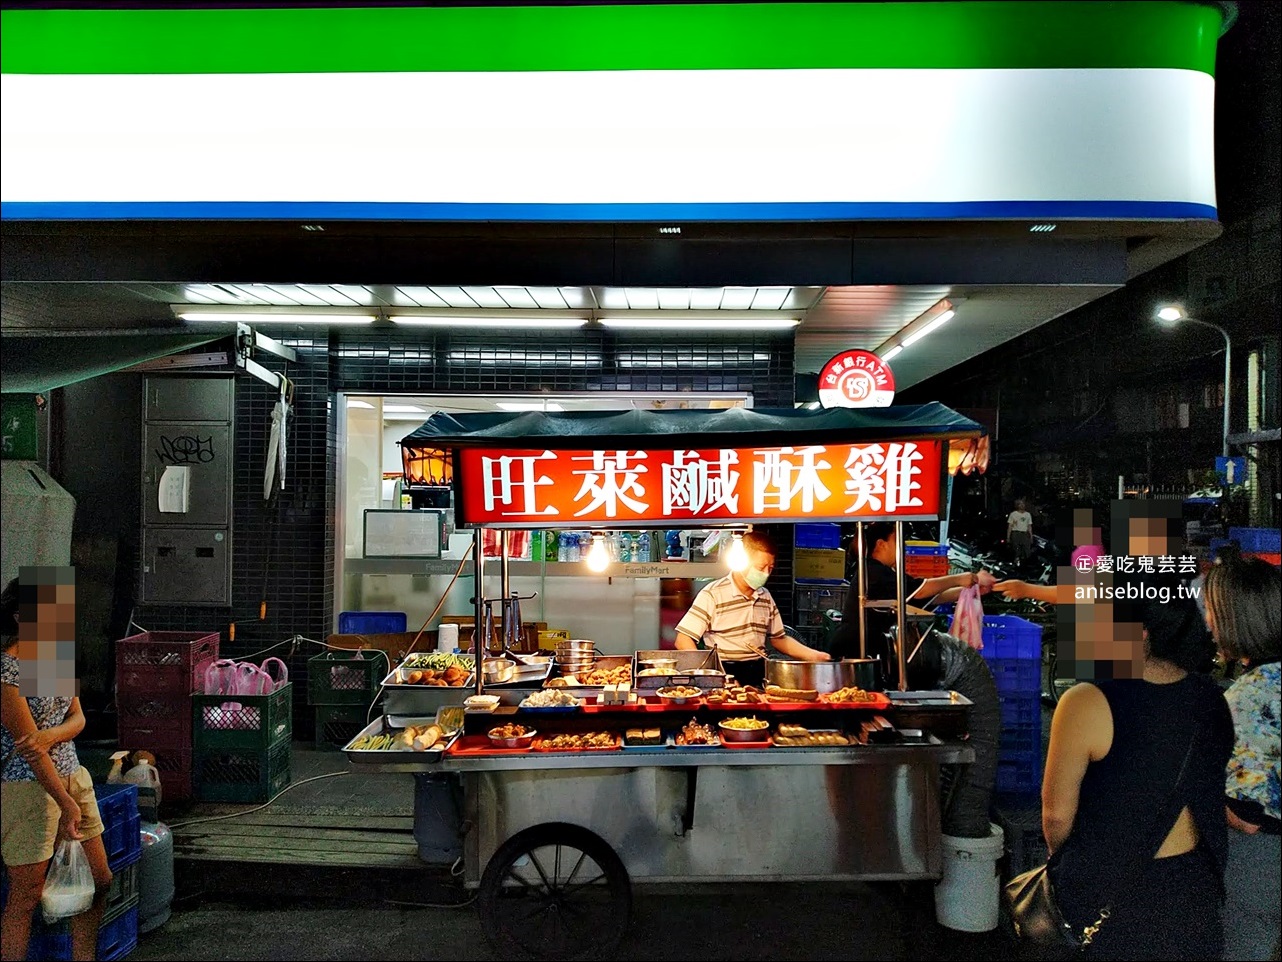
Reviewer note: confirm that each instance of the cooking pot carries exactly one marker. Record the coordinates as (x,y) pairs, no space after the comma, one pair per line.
(824,676)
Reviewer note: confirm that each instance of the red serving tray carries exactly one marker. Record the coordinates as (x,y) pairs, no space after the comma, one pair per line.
(769,742)
(880,701)
(470,746)
(640,706)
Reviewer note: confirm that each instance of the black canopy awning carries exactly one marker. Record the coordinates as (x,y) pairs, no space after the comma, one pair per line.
(30,364)
(641,429)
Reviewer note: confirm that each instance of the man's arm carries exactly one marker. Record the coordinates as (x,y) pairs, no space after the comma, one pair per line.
(695,622)
(795,649)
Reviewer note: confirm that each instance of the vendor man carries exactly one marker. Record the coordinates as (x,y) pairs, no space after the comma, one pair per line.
(880,547)
(736,615)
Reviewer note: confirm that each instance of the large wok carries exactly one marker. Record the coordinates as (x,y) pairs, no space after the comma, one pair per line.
(824,676)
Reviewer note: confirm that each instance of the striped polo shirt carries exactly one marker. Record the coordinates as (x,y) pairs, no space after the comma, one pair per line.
(736,625)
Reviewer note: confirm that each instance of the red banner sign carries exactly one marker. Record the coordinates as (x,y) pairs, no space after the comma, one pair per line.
(536,488)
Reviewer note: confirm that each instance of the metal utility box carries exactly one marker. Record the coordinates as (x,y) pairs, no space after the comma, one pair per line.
(186,566)
(188,472)
(205,451)
(188,399)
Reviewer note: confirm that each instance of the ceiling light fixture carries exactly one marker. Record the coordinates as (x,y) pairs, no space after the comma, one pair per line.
(402,409)
(686,322)
(360,404)
(893,352)
(266,314)
(528,406)
(1042,228)
(934,325)
(497,319)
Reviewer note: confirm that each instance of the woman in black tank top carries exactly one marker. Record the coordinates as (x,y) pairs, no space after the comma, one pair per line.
(1115,755)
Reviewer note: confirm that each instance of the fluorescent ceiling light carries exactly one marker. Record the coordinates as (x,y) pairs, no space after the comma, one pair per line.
(893,352)
(527,406)
(282,317)
(687,323)
(402,409)
(934,325)
(522,358)
(738,298)
(481,320)
(360,404)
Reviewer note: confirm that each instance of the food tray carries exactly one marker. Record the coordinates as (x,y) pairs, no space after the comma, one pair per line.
(767,743)
(540,746)
(878,702)
(551,709)
(393,680)
(636,706)
(474,746)
(672,743)
(664,742)
(850,739)
(605,661)
(526,676)
(686,659)
(394,723)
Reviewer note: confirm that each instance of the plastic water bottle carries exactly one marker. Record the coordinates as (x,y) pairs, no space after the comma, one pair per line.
(643,547)
(145,775)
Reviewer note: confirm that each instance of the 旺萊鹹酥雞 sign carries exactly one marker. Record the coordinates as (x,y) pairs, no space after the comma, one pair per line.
(537,487)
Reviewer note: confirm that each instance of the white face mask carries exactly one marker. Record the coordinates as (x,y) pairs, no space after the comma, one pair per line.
(755,577)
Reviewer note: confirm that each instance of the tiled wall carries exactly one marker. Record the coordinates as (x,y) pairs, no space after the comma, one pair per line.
(289,547)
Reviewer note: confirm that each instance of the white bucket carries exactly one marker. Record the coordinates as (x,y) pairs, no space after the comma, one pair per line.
(966,898)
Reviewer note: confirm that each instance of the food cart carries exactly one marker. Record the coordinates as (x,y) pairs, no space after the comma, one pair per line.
(557,837)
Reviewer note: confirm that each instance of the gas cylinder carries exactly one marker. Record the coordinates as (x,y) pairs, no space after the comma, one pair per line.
(155,876)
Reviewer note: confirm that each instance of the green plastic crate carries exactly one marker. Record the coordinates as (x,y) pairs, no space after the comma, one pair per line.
(345,678)
(336,725)
(253,723)
(242,776)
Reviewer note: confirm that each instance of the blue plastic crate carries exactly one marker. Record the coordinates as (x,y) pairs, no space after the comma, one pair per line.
(1257,540)
(1010,636)
(1020,708)
(932,550)
(1017,675)
(118,806)
(119,937)
(818,536)
(1019,773)
(371,622)
(1020,737)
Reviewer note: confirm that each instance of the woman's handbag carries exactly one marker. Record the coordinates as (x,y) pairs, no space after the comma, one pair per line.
(1031,895)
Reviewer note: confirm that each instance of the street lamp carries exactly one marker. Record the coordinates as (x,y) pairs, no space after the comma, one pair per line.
(1173,314)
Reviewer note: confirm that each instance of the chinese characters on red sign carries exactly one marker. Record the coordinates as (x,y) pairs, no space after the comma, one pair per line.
(533,487)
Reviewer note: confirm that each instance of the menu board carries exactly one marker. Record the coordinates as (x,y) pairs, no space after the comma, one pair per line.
(404,534)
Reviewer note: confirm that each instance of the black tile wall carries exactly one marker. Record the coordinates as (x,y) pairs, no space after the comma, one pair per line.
(283,552)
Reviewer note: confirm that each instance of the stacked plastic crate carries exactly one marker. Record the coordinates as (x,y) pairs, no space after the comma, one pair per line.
(341,685)
(1013,650)
(1262,543)
(157,675)
(118,930)
(242,745)
(925,559)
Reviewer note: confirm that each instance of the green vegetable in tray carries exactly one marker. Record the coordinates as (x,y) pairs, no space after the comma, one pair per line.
(439,661)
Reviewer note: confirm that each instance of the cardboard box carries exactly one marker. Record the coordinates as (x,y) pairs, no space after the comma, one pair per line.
(548,637)
(819,563)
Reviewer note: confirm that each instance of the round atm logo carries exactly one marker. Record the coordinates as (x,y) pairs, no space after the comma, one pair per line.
(856,379)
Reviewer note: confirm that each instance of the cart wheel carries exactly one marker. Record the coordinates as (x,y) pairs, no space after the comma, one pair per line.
(555,891)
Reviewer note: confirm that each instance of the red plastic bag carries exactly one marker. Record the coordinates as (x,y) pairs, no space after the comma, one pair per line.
(968,618)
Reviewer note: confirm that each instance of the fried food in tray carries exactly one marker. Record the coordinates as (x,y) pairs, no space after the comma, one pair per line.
(695,733)
(775,693)
(679,691)
(599,677)
(735,695)
(796,736)
(745,724)
(849,696)
(510,730)
(582,742)
(644,736)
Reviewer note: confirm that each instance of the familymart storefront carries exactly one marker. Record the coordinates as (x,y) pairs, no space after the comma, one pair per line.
(565,201)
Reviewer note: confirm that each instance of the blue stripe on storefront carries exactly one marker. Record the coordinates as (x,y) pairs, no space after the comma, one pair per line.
(766,211)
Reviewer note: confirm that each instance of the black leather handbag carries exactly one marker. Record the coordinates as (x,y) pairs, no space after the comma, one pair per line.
(1031,895)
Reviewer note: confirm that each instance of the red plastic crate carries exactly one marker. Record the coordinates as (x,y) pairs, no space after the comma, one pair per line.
(164,662)
(926,566)
(154,721)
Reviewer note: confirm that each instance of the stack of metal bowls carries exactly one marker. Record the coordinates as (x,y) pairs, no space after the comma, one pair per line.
(574,657)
